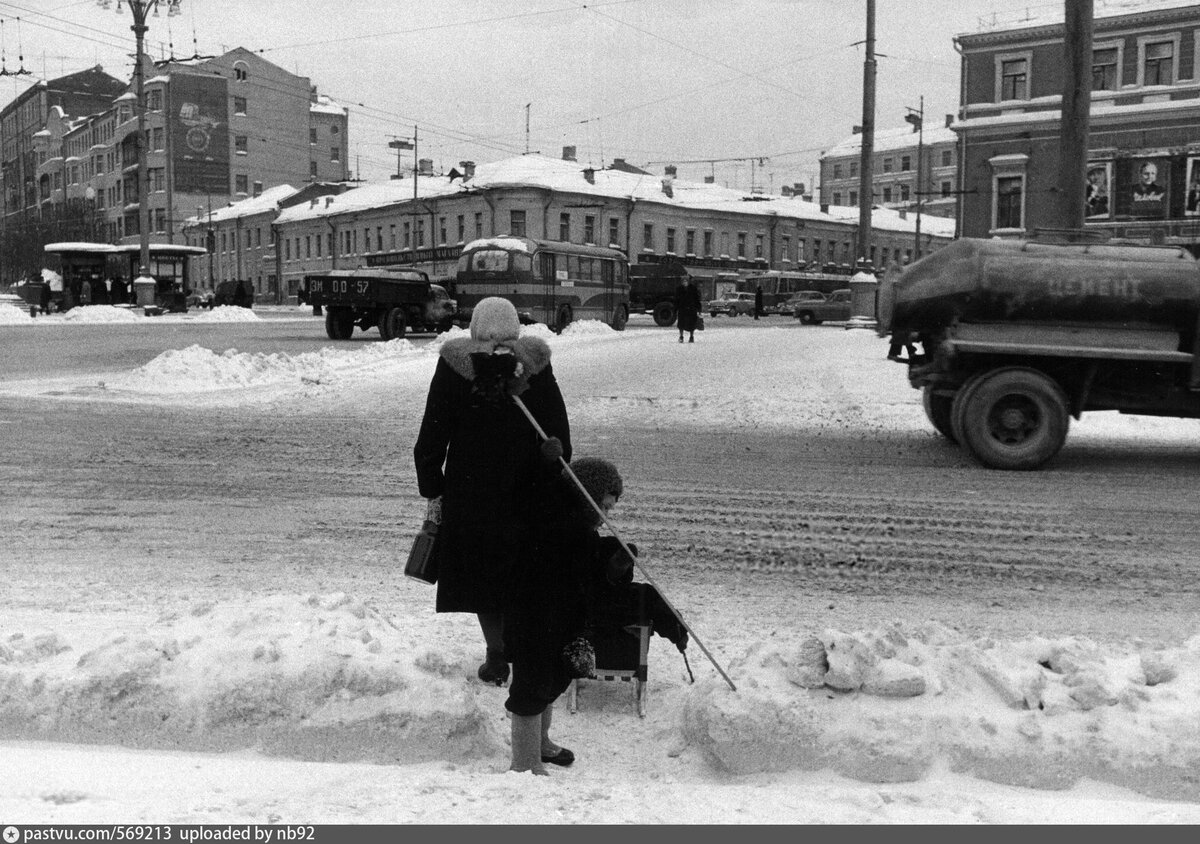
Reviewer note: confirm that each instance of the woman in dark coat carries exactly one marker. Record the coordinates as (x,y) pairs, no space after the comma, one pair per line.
(478,461)
(687,309)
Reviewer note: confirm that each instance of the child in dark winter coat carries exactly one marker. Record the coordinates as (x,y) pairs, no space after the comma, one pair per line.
(572,581)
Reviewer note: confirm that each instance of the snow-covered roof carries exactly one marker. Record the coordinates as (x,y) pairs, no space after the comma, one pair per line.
(326,105)
(268,200)
(887,140)
(537,171)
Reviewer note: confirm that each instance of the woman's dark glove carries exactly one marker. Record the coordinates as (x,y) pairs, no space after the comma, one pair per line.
(552,449)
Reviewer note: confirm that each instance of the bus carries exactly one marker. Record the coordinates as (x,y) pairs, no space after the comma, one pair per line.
(109,272)
(548,281)
(779,285)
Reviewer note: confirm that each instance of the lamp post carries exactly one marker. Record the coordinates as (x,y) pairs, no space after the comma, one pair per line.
(139,8)
(916,116)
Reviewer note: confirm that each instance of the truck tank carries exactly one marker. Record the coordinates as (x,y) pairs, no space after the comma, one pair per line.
(976,280)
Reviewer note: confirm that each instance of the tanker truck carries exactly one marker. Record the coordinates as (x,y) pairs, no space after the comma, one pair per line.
(1017,337)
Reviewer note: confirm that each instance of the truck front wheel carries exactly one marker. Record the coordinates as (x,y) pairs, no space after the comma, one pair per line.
(563,318)
(664,314)
(620,318)
(1014,418)
(339,323)
(937,409)
(392,324)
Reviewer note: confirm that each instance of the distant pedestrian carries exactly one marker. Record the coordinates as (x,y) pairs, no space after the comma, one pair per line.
(85,293)
(758,302)
(687,307)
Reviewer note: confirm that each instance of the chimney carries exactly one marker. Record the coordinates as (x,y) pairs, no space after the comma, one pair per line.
(568,153)
(708,180)
(949,120)
(468,170)
(798,187)
(824,208)
(786,190)
(425,167)
(312,203)
(589,175)
(328,201)
(670,171)
(666,187)
(856,130)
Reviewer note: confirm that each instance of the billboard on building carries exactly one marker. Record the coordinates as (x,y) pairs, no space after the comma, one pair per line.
(1099,180)
(1146,189)
(1191,203)
(200,133)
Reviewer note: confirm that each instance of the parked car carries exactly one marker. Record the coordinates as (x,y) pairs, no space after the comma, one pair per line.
(732,303)
(835,307)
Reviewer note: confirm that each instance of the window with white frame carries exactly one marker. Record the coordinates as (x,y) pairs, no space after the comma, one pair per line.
(1013,76)
(564,227)
(241,145)
(1010,191)
(1106,67)
(1158,61)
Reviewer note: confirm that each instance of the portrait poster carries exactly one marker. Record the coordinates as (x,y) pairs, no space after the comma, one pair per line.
(1191,201)
(1099,182)
(1148,188)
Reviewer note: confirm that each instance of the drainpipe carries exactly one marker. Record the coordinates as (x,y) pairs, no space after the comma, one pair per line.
(487,197)
(629,229)
(959,211)
(546,215)
(333,250)
(237,252)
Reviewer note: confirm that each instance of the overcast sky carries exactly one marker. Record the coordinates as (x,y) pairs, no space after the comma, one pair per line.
(769,82)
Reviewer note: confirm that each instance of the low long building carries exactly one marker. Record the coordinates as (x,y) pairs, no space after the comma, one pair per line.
(653,219)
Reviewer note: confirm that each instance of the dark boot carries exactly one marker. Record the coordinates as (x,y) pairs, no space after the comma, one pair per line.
(494,669)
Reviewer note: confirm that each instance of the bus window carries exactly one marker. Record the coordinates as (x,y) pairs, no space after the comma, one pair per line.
(522,262)
(490,261)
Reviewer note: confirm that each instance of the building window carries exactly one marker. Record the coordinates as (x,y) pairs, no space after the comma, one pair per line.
(308,246)
(1104,69)
(241,183)
(240,144)
(853,198)
(614,231)
(785,249)
(887,165)
(904,192)
(1158,62)
(335,154)
(462,230)
(837,171)
(708,243)
(239,105)
(312,134)
(947,157)
(671,241)
(905,163)
(853,169)
(564,227)
(441,233)
(258,188)
(407,238)
(947,189)
(154,99)
(478,224)
(312,169)
(516,223)
(420,227)
(240,73)
(837,197)
(589,229)
(690,242)
(1009,190)
(887,194)
(648,236)
(758,246)
(158,135)
(258,236)
(741,243)
(1014,78)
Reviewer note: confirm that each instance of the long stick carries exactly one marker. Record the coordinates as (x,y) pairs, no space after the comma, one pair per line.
(632,556)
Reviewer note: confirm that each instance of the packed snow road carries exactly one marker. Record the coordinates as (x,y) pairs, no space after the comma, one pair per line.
(788,470)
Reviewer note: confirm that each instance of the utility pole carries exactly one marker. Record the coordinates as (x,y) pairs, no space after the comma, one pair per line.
(1076,111)
(527,105)
(865,195)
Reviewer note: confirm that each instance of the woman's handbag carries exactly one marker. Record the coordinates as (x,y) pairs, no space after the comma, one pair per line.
(699,323)
(422,559)
(580,658)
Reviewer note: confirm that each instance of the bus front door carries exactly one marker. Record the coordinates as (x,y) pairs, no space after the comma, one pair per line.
(548,268)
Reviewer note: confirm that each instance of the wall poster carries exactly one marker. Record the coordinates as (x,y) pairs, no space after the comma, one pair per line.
(1099,181)
(1148,189)
(1191,203)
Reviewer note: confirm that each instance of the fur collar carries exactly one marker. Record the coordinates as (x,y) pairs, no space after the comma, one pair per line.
(532,352)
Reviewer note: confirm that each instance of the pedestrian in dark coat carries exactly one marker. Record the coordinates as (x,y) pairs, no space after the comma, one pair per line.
(758,302)
(687,308)
(479,462)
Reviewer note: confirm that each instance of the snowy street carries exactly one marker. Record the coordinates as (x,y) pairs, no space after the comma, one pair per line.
(202,586)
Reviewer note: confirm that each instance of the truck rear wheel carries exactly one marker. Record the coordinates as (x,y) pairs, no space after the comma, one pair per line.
(339,323)
(937,409)
(392,324)
(664,314)
(1014,418)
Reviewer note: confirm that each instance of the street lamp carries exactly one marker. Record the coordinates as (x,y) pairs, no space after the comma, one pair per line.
(139,8)
(916,116)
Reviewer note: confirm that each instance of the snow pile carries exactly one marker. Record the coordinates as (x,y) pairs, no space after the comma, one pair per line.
(226,313)
(11,314)
(98,314)
(309,677)
(889,706)
(328,678)
(197,369)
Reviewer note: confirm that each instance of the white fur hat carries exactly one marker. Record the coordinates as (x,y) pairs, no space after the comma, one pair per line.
(495,320)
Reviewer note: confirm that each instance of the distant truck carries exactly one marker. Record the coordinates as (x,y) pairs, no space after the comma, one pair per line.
(1017,337)
(652,289)
(394,301)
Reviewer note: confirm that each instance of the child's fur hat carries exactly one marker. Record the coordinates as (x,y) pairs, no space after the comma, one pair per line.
(495,320)
(598,477)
